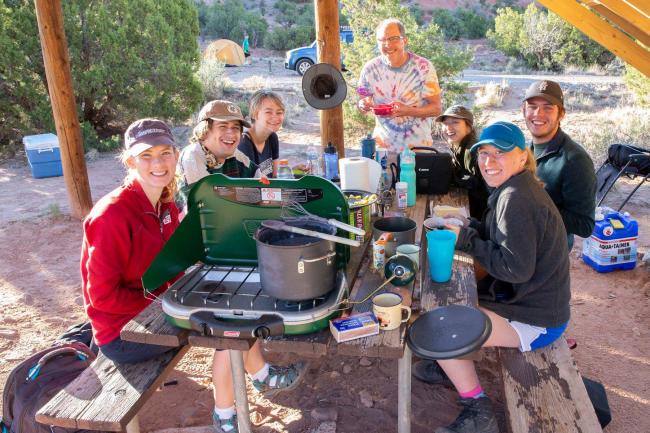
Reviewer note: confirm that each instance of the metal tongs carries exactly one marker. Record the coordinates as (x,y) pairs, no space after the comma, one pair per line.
(279,225)
(295,208)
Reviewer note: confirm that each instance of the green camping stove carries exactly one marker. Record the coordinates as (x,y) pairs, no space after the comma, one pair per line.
(220,293)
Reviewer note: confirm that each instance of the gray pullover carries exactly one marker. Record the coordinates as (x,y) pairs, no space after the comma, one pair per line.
(521,243)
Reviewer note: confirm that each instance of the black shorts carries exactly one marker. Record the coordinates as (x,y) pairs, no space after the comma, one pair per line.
(247,54)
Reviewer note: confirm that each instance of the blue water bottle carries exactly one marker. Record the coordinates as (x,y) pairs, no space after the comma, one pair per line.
(331,162)
(368,147)
(407,173)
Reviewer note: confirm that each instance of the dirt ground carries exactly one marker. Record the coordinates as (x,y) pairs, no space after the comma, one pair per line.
(41,296)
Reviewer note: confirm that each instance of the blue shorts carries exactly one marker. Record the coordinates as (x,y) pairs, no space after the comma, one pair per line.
(534,337)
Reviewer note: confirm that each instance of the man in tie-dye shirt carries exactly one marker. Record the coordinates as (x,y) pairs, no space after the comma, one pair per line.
(405,80)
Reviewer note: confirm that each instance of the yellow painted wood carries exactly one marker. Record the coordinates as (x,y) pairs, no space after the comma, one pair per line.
(627,11)
(602,32)
(623,24)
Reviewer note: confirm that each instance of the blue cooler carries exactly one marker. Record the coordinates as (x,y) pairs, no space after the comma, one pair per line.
(43,155)
(612,244)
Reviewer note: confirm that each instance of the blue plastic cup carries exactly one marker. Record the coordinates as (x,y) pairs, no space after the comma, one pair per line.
(440,250)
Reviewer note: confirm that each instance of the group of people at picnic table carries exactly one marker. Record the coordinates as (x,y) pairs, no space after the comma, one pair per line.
(527,201)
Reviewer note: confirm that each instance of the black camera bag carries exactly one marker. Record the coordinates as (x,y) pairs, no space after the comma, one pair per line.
(433,171)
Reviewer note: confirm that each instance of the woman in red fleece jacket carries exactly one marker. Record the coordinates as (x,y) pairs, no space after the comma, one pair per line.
(123,233)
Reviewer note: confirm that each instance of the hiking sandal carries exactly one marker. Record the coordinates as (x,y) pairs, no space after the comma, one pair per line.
(281,379)
(225,425)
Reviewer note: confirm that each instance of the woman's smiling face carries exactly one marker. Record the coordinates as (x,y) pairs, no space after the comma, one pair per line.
(454,130)
(155,167)
(498,166)
(270,116)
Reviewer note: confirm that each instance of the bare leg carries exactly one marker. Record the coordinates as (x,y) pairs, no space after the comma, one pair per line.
(461,372)
(222,385)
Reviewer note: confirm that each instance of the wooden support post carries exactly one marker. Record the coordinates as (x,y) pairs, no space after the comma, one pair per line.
(241,397)
(59,82)
(404,391)
(329,51)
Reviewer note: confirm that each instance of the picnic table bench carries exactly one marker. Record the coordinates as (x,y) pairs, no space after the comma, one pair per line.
(543,390)
(107,396)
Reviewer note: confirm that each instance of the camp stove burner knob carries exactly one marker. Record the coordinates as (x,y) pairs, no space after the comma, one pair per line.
(262,332)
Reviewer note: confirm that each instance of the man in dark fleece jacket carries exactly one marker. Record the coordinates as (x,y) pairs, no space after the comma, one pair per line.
(564,166)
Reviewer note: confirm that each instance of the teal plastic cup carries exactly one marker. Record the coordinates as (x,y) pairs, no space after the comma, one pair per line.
(440,251)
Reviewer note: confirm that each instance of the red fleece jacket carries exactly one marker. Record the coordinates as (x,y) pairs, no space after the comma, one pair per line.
(122,235)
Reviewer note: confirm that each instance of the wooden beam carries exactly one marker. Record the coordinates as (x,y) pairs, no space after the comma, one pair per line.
(329,51)
(59,82)
(627,12)
(602,32)
(640,5)
(623,24)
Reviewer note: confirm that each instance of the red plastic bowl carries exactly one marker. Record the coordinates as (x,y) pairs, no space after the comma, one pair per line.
(383,109)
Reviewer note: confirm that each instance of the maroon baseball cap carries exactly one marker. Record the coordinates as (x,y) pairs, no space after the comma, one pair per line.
(145,133)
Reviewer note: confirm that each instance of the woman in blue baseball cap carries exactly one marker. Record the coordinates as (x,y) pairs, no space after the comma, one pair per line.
(521,243)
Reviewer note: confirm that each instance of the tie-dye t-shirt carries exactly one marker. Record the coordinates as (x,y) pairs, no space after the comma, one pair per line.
(408,84)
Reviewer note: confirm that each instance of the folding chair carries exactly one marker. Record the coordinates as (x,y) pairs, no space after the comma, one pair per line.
(622,159)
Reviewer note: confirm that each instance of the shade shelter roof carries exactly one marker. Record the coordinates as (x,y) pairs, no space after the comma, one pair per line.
(621,26)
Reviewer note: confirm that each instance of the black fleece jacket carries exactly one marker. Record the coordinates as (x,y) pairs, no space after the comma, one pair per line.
(521,243)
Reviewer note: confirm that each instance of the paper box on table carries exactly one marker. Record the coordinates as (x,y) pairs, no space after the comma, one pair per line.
(355,326)
(43,155)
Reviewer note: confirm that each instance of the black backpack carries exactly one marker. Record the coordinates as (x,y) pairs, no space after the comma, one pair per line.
(33,382)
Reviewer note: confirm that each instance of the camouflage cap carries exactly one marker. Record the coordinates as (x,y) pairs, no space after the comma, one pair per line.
(458,112)
(222,110)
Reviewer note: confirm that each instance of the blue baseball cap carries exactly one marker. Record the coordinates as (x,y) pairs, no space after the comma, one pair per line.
(503,135)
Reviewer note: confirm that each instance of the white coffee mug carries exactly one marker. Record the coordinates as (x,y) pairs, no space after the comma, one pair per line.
(389,310)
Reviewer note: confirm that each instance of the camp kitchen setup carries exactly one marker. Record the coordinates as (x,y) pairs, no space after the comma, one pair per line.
(261,259)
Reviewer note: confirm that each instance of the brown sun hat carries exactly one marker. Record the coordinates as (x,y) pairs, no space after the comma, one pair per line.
(224,111)
(458,112)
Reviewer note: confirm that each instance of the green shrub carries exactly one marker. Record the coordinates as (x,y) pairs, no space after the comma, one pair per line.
(211,75)
(281,38)
(230,20)
(92,141)
(129,59)
(544,40)
(461,23)
(639,84)
(507,33)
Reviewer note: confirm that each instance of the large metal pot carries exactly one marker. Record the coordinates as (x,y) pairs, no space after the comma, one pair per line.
(402,231)
(296,267)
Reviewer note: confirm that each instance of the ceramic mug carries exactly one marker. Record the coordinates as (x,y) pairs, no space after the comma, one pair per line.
(389,310)
(411,251)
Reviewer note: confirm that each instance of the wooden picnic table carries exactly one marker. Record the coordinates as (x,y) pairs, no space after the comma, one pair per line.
(151,327)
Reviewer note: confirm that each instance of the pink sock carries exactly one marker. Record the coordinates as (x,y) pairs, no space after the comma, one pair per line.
(473,393)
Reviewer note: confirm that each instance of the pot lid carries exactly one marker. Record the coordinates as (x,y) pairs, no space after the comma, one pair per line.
(224,213)
(448,332)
